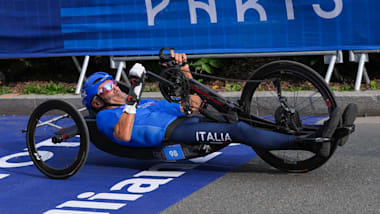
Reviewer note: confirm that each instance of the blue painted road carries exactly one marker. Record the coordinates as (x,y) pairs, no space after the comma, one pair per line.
(106,184)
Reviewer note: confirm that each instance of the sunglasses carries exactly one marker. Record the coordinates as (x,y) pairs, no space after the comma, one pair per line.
(107,88)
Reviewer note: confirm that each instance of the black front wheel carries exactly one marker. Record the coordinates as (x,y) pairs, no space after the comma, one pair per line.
(57,139)
(308,100)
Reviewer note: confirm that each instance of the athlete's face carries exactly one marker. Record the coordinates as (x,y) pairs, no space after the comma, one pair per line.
(111,93)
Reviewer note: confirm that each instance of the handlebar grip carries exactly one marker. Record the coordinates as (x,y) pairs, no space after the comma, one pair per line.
(162,51)
(166,58)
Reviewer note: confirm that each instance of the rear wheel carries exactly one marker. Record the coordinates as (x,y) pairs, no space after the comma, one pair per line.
(57,139)
(310,100)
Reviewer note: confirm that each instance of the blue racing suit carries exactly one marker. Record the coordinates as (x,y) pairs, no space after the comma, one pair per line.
(151,120)
(153,117)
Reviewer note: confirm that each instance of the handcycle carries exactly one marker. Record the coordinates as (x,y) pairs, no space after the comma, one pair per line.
(282,96)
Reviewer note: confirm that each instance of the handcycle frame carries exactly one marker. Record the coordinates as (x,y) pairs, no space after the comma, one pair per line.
(230,111)
(224,111)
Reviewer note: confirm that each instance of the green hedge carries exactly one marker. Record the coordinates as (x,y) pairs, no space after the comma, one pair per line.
(62,69)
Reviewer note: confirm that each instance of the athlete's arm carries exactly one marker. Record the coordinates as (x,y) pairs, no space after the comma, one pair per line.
(123,129)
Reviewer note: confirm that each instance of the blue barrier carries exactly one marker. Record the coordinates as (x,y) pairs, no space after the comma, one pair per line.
(37,28)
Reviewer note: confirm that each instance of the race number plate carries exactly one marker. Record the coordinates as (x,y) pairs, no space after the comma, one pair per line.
(174,152)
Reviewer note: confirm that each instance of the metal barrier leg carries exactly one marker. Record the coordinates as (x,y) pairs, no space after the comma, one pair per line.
(332,60)
(76,63)
(366,77)
(82,74)
(119,65)
(125,77)
(120,73)
(330,69)
(360,72)
(119,70)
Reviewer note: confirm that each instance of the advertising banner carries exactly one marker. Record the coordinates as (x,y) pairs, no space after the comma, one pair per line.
(38,28)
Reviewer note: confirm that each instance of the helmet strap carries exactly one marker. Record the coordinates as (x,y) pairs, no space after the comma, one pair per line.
(105,104)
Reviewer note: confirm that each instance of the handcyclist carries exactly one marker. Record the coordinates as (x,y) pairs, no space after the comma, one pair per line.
(120,119)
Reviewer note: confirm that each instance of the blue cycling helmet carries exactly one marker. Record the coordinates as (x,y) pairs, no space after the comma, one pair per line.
(90,87)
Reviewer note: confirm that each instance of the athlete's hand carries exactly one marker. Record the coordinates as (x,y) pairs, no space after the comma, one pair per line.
(137,70)
(181,59)
(195,102)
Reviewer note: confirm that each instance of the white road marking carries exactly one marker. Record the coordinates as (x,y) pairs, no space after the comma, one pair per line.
(205,158)
(4,176)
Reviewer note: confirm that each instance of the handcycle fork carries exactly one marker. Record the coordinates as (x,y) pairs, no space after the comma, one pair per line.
(288,117)
(283,100)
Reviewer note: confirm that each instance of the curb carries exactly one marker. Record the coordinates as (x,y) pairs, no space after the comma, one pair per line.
(367,101)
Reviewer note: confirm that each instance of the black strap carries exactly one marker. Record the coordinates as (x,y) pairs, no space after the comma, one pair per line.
(106,104)
(172,126)
(135,81)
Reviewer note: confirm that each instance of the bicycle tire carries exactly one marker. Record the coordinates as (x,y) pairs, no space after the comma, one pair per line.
(296,70)
(82,130)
